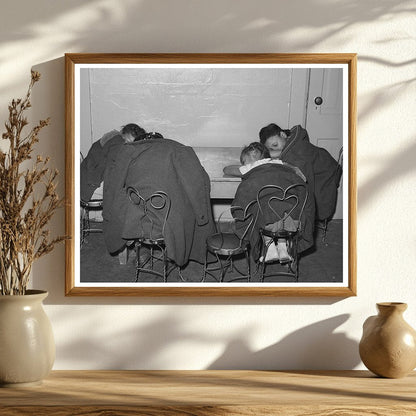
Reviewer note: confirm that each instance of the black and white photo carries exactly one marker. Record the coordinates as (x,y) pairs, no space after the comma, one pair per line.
(210,174)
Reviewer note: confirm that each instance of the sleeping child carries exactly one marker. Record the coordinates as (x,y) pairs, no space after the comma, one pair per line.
(256,154)
(252,156)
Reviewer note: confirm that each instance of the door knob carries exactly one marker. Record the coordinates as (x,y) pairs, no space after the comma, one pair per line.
(318,100)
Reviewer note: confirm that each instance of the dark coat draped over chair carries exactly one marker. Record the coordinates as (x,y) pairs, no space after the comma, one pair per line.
(95,163)
(320,168)
(159,165)
(283,176)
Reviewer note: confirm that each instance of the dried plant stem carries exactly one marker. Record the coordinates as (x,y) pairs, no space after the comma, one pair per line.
(23,217)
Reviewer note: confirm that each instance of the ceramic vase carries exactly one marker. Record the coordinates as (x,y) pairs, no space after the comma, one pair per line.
(388,344)
(27,346)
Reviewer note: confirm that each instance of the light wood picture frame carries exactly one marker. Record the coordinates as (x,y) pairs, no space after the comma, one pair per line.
(102,94)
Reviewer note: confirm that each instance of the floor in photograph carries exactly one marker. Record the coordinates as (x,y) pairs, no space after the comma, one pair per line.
(321,264)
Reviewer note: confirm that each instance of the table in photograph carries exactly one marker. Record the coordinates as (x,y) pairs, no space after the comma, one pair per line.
(214,159)
(213,392)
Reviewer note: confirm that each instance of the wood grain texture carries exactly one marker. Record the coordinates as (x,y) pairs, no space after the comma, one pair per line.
(210,411)
(352,175)
(69,174)
(167,290)
(213,393)
(72,59)
(211,58)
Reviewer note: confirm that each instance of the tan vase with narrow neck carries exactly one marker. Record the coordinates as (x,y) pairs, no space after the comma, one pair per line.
(388,345)
(27,346)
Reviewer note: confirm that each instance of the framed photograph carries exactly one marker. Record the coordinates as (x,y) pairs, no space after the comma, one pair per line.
(211,174)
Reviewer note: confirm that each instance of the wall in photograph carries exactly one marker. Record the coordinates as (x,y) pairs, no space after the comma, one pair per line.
(198,107)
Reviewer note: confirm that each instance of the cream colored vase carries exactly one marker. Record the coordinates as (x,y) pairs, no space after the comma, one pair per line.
(27,346)
(388,345)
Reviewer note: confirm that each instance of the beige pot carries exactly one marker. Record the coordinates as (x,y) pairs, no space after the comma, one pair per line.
(27,346)
(388,345)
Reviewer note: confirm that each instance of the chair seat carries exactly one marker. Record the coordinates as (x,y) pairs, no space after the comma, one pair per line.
(151,241)
(226,244)
(92,203)
(278,234)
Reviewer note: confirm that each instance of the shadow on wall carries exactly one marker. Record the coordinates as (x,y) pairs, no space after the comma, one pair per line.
(152,345)
(48,100)
(133,26)
(313,347)
(143,347)
(97,18)
(396,167)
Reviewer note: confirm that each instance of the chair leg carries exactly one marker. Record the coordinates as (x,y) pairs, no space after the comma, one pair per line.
(85,224)
(325,231)
(219,266)
(223,269)
(296,258)
(151,256)
(180,273)
(138,265)
(204,272)
(226,264)
(293,265)
(263,271)
(210,270)
(87,221)
(82,226)
(248,265)
(324,228)
(157,257)
(231,262)
(165,260)
(263,254)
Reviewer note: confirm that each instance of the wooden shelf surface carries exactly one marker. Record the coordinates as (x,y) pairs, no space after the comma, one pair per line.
(213,392)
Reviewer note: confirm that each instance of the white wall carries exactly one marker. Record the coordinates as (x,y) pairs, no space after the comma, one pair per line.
(198,333)
(196,106)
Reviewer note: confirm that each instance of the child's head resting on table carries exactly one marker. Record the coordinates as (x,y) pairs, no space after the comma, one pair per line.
(256,154)
(253,152)
(253,155)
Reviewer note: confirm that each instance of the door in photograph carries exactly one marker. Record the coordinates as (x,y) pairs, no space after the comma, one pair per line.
(324,115)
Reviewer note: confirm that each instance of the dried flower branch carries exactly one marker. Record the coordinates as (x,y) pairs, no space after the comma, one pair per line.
(23,217)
